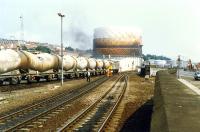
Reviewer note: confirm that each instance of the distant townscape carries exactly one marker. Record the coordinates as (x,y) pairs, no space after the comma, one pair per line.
(42,47)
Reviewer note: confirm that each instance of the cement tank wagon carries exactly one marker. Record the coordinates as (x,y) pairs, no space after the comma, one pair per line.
(92,63)
(106,64)
(99,64)
(41,62)
(82,63)
(69,62)
(9,60)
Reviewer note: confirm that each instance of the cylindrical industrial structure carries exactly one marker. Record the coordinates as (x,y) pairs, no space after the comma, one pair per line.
(117,42)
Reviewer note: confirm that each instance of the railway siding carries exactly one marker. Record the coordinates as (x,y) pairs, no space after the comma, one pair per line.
(138,91)
(47,107)
(75,107)
(94,118)
(20,98)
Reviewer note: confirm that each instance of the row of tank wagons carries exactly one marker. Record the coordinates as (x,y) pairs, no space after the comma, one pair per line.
(25,62)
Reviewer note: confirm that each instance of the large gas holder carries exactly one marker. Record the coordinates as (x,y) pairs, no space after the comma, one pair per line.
(119,44)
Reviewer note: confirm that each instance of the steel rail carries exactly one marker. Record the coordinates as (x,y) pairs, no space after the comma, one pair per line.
(40,103)
(75,119)
(91,85)
(114,108)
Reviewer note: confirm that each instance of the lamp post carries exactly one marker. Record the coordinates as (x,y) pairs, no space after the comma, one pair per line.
(178,67)
(21,32)
(61,16)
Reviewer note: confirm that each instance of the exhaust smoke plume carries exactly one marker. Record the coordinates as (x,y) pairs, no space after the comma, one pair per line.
(78,38)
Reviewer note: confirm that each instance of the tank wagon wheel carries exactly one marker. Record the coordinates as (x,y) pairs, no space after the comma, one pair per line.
(29,79)
(14,80)
(56,76)
(77,75)
(95,73)
(100,72)
(1,82)
(83,75)
(19,80)
(65,76)
(69,76)
(48,78)
(10,81)
(104,72)
(92,73)
(37,79)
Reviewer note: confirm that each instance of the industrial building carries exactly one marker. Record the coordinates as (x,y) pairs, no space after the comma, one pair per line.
(120,44)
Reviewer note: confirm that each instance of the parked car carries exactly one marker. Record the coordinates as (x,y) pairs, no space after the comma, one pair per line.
(197,75)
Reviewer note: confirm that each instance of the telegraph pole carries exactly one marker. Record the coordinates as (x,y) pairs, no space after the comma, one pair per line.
(61,39)
(178,66)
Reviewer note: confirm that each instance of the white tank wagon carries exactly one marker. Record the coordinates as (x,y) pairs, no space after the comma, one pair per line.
(106,64)
(92,63)
(99,64)
(82,63)
(11,60)
(41,62)
(69,62)
(10,63)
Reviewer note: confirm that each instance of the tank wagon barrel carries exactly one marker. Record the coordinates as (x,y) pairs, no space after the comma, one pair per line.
(99,64)
(92,63)
(69,62)
(9,60)
(106,64)
(41,62)
(82,63)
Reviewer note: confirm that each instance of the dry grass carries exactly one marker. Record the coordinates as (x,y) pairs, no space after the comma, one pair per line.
(139,90)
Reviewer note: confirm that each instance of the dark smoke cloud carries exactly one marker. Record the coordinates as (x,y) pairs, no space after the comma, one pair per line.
(77,35)
(77,38)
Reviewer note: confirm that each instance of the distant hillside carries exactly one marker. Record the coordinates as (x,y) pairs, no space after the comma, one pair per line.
(78,50)
(155,57)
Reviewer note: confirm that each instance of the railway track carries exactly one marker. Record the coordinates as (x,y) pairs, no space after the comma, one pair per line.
(97,115)
(27,117)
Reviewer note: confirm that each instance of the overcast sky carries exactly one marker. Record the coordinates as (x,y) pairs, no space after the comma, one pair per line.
(169,27)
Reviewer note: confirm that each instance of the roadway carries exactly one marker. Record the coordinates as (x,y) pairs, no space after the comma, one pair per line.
(189,76)
(186,73)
